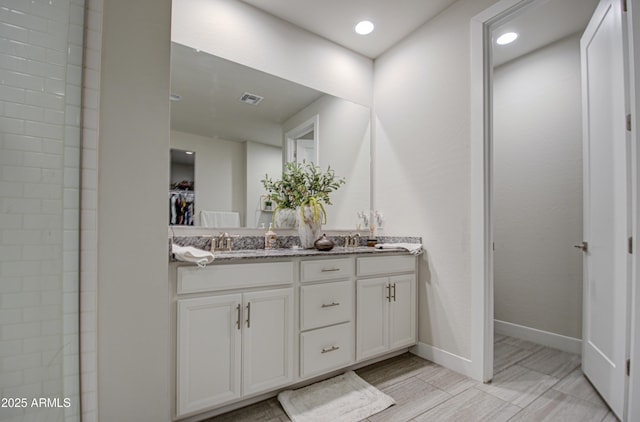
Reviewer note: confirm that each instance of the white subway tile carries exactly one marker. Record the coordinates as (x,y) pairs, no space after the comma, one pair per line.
(21,174)
(55,86)
(13,32)
(52,176)
(9,316)
(12,126)
(20,237)
(16,363)
(23,111)
(10,347)
(74,57)
(53,146)
(16,269)
(14,63)
(55,56)
(22,80)
(45,130)
(19,331)
(42,160)
(44,99)
(42,342)
(17,205)
(51,206)
(22,142)
(53,116)
(12,93)
(9,253)
(24,20)
(10,379)
(20,49)
(10,190)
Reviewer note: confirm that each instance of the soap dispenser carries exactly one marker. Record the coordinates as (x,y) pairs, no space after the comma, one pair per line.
(270,238)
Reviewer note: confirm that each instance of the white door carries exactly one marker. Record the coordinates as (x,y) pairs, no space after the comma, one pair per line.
(606,202)
(208,352)
(267,340)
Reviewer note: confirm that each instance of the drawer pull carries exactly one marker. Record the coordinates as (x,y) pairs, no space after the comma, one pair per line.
(330,305)
(332,349)
(329,270)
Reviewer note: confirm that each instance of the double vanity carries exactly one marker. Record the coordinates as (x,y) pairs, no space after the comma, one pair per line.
(255,322)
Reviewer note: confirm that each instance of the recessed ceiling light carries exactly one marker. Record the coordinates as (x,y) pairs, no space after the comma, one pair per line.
(507,38)
(364,27)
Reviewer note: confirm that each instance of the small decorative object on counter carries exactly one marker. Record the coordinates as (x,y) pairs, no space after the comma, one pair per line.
(270,238)
(324,243)
(372,242)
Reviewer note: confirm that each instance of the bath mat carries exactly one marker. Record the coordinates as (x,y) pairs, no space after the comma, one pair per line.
(345,398)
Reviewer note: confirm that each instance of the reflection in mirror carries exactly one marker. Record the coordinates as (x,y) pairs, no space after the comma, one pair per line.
(302,142)
(237,142)
(181,188)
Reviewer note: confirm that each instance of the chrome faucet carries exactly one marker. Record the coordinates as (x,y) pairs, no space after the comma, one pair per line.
(222,242)
(352,241)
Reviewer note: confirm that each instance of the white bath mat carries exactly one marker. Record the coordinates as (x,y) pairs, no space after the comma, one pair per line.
(345,398)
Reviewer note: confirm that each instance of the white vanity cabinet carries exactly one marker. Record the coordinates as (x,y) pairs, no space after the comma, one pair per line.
(245,328)
(326,315)
(230,346)
(386,305)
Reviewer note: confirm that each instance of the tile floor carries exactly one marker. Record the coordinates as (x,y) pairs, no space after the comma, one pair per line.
(531,383)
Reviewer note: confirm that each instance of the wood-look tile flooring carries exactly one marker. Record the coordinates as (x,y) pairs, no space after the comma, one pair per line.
(531,383)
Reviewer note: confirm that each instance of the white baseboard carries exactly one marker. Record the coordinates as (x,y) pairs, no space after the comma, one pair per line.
(443,358)
(545,338)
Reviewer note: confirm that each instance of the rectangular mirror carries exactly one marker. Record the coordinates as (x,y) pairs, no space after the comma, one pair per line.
(237,121)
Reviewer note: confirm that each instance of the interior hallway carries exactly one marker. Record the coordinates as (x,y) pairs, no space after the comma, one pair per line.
(531,383)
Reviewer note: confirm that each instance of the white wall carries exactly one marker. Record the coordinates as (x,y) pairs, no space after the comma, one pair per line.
(236,31)
(538,190)
(344,133)
(219,172)
(133,173)
(261,159)
(41,68)
(422,166)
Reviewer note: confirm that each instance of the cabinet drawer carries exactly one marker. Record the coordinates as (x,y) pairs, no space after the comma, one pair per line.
(386,265)
(326,269)
(325,304)
(234,276)
(325,349)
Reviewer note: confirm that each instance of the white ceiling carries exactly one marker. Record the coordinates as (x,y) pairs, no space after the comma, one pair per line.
(395,20)
(335,19)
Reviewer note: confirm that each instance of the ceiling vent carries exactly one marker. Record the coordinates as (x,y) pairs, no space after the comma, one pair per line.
(250,98)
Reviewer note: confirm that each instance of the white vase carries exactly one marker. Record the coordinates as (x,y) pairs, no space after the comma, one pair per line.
(285,218)
(308,229)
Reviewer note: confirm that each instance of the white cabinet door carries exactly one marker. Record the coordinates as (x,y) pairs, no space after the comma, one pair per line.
(372,319)
(208,354)
(267,340)
(402,311)
(386,314)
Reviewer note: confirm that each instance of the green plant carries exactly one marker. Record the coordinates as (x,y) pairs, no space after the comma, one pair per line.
(303,184)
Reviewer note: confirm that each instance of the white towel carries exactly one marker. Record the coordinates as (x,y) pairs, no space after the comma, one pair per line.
(221,219)
(191,254)
(413,248)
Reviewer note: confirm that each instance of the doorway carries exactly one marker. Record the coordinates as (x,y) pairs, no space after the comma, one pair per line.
(537,182)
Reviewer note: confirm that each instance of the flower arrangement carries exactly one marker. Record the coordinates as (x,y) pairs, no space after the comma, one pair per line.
(303,184)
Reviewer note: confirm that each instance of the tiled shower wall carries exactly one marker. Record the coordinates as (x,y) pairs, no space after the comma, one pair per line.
(41,58)
(89,206)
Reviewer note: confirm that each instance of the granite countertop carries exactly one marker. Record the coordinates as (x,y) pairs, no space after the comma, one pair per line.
(252,247)
(287,253)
